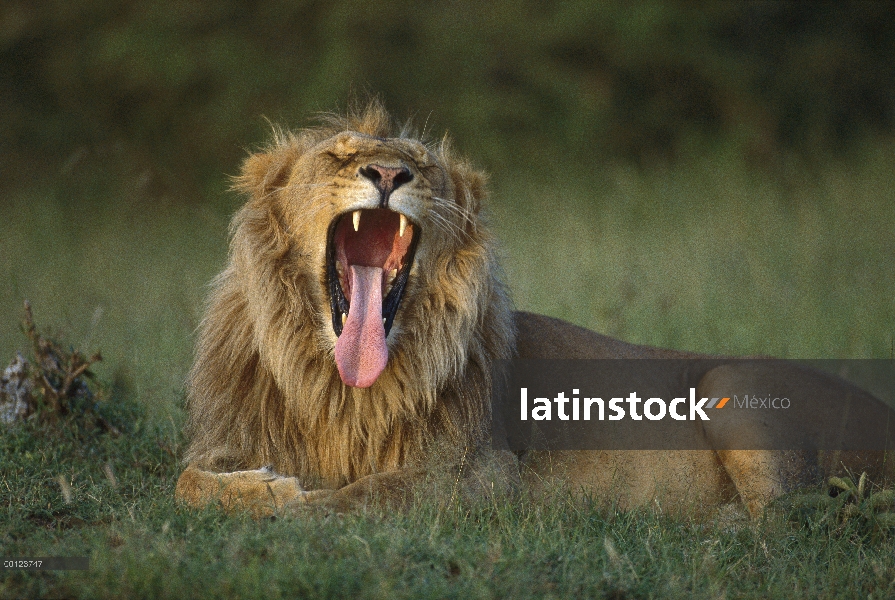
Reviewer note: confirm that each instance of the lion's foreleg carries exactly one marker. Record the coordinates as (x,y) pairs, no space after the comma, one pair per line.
(260,491)
(391,490)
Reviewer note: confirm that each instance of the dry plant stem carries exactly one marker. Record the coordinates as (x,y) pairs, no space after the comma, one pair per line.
(48,357)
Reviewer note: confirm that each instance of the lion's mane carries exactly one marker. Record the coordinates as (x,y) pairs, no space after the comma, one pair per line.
(264,389)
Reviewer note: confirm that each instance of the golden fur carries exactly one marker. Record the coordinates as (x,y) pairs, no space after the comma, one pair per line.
(269,416)
(264,389)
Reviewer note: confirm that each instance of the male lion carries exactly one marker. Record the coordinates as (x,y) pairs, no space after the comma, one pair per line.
(352,334)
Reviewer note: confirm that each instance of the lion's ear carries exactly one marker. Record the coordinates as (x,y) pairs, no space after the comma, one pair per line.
(470,186)
(264,172)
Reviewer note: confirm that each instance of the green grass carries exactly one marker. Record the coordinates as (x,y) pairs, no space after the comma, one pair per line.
(141,544)
(713,257)
(709,256)
(127,276)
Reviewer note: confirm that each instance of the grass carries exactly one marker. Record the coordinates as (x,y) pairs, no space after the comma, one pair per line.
(141,544)
(127,276)
(710,256)
(713,257)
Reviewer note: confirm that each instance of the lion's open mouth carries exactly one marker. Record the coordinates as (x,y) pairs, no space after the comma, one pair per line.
(369,255)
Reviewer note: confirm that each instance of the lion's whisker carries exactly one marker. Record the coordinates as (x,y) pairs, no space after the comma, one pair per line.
(441,226)
(441,202)
(458,211)
(450,229)
(461,211)
(448,217)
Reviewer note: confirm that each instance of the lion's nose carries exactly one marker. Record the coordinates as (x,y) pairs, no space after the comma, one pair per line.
(386,179)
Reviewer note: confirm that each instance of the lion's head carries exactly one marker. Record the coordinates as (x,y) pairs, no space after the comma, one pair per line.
(360,311)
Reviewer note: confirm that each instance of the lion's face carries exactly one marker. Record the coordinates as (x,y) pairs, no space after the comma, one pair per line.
(369,211)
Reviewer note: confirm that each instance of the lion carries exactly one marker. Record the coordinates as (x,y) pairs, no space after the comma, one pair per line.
(349,342)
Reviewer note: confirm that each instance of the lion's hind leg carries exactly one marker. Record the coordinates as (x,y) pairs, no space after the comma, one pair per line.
(260,491)
(765,455)
(760,476)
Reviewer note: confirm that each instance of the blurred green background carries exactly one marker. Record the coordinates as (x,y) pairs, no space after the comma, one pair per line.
(703,175)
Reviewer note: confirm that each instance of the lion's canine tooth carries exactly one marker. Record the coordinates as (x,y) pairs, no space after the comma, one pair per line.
(392,274)
(344,318)
(356,218)
(383,320)
(403,226)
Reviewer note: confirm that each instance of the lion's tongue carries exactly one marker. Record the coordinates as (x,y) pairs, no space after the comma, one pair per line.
(361,352)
